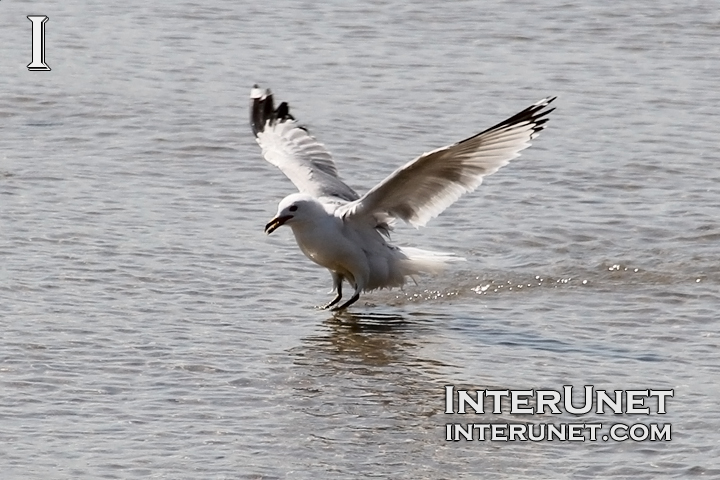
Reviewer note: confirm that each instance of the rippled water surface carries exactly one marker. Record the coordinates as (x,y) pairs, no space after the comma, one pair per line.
(149,328)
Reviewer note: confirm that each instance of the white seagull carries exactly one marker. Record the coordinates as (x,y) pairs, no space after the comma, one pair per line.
(347,233)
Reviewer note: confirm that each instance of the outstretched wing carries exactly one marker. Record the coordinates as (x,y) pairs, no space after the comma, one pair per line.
(290,147)
(424,187)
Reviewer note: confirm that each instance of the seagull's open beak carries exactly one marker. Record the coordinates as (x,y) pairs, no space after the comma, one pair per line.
(276,222)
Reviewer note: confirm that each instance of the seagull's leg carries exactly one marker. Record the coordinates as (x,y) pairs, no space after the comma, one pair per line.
(333,301)
(352,300)
(337,285)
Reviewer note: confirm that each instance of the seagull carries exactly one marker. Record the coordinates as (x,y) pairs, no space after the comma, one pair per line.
(349,234)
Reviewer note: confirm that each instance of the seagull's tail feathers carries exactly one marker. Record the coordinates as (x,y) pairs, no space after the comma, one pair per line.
(425,261)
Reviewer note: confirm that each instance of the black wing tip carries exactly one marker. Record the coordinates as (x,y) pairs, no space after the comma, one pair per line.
(536,114)
(262,110)
(283,112)
(539,116)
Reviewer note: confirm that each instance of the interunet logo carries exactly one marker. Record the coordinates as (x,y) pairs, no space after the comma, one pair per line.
(555,402)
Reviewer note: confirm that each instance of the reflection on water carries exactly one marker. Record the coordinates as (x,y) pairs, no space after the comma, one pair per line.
(370,339)
(369,320)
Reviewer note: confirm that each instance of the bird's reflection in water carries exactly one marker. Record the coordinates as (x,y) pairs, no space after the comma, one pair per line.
(380,322)
(374,344)
(377,366)
(369,339)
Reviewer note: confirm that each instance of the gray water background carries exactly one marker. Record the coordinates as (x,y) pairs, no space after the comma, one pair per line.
(149,329)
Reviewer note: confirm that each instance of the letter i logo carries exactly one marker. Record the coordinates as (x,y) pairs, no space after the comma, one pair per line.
(38,43)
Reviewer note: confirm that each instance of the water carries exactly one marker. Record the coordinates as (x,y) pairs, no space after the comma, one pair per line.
(150,329)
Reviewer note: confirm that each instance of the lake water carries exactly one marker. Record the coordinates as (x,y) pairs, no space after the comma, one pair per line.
(149,328)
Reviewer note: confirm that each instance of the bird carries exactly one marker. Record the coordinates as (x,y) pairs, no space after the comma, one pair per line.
(348,233)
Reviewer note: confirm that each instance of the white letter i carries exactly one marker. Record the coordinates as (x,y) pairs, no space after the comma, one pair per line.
(38,43)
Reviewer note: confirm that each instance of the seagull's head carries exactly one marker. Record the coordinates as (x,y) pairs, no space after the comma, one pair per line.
(295,209)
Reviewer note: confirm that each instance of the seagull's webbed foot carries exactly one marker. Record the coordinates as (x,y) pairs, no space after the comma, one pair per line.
(352,300)
(332,302)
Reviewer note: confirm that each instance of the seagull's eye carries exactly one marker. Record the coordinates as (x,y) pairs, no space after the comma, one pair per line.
(293,208)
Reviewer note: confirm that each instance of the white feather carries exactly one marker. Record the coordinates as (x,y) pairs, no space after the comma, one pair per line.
(304,160)
(424,187)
